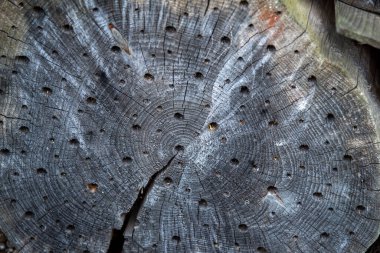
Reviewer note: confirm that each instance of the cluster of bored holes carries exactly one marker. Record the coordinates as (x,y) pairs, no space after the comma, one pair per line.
(271,48)
(47,90)
(41,171)
(243,227)
(170,29)
(213,126)
(149,77)
(304,147)
(244,90)
(92,187)
(234,161)
(225,40)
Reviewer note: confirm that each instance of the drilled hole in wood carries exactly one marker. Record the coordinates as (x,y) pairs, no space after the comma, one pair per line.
(41,171)
(116,49)
(24,129)
(170,29)
(67,27)
(178,115)
(335,169)
(38,10)
(244,3)
(234,161)
(92,187)
(74,141)
(198,75)
(272,189)
(271,48)
(243,227)
(4,151)
(91,100)
(22,59)
(225,40)
(127,159)
(311,79)
(360,209)
(202,203)
(29,215)
(304,147)
(347,158)
(70,228)
(176,238)
(244,90)
(318,195)
(296,51)
(213,126)
(273,123)
(261,250)
(325,235)
(179,148)
(47,91)
(136,127)
(168,181)
(330,116)
(149,77)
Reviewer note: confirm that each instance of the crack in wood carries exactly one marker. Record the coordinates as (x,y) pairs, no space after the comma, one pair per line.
(117,237)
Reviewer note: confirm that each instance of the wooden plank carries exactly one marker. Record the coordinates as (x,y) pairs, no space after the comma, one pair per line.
(368,5)
(357,24)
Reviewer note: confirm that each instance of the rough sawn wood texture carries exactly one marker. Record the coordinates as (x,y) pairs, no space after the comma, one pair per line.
(183,126)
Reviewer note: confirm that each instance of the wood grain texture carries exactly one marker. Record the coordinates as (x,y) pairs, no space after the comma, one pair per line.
(358,24)
(223,120)
(367,5)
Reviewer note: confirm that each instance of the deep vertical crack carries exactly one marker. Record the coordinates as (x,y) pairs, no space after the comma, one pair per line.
(117,237)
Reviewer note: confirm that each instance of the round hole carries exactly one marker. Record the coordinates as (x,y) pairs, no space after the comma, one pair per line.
(325,235)
(176,238)
(178,115)
(168,181)
(330,116)
(170,29)
(41,171)
(24,129)
(116,49)
(244,90)
(271,48)
(202,203)
(244,3)
(29,215)
(47,90)
(318,195)
(243,227)
(198,75)
(91,100)
(360,209)
(225,40)
(149,77)
(234,161)
(213,126)
(272,189)
(92,187)
(136,127)
(179,148)
(304,147)
(74,141)
(127,159)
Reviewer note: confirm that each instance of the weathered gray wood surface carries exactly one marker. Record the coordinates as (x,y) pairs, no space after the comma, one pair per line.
(223,131)
(358,24)
(367,5)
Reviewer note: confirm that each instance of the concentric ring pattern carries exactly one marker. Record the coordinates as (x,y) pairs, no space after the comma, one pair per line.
(257,143)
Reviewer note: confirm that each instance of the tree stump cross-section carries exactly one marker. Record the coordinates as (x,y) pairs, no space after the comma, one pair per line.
(179,126)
